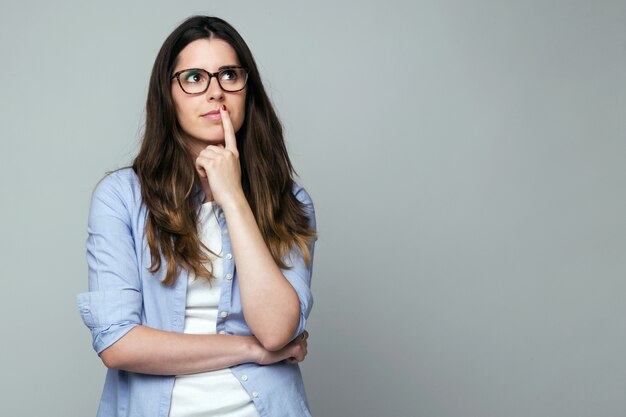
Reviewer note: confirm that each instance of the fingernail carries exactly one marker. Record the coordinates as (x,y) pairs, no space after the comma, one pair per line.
(224,107)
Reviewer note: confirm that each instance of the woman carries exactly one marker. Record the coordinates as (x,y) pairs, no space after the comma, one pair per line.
(200,255)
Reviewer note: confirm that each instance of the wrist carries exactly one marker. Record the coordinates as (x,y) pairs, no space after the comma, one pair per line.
(235,203)
(254,350)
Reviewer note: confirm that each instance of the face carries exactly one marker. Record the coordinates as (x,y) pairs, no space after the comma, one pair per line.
(196,112)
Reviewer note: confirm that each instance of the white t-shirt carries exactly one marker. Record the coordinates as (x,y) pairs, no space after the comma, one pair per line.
(213,393)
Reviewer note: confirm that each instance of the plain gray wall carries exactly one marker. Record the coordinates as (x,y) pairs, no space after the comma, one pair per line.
(466,158)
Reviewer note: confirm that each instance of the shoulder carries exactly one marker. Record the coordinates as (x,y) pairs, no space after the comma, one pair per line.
(121,181)
(301,194)
(307,203)
(118,187)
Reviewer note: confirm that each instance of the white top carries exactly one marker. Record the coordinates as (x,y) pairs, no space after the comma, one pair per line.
(214,393)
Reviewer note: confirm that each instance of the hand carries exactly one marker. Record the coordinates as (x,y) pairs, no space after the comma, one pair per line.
(294,352)
(220,164)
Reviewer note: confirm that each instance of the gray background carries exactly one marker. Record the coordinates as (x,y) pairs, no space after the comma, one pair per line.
(466,158)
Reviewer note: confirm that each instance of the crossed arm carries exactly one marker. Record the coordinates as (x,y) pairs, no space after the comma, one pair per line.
(151,351)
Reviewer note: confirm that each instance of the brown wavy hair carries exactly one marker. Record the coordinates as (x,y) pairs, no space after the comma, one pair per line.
(169,181)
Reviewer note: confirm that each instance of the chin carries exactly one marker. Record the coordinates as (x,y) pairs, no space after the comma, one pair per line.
(216,136)
(212,140)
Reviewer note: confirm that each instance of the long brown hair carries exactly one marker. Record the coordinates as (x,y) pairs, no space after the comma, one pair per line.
(170,184)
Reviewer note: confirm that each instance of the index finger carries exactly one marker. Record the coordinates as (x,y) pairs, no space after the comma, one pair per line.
(230,140)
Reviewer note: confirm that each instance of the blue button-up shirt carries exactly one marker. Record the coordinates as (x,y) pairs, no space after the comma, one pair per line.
(123,293)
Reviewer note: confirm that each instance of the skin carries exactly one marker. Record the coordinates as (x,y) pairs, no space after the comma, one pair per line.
(270,304)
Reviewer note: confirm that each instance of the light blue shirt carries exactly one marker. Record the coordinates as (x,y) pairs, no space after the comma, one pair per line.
(123,293)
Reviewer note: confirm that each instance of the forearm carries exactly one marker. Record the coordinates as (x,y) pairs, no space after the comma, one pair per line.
(270,304)
(151,351)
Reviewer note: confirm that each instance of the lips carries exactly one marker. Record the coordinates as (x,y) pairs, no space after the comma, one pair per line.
(213,115)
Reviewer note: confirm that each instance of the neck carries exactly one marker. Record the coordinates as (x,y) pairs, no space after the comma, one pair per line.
(208,195)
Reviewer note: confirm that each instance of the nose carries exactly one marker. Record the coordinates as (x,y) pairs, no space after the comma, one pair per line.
(214,92)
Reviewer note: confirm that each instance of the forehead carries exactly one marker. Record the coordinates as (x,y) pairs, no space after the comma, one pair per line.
(209,54)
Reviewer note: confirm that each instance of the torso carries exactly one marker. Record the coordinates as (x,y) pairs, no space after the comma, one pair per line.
(214,393)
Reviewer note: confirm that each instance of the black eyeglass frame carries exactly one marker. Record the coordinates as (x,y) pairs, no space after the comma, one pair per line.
(211,75)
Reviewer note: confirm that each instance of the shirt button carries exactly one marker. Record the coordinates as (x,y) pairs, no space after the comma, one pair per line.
(229,276)
(244,377)
(224,314)
(225,231)
(229,256)
(222,215)
(255,394)
(222,332)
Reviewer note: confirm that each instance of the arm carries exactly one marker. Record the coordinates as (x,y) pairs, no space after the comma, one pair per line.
(271,303)
(152,351)
(112,308)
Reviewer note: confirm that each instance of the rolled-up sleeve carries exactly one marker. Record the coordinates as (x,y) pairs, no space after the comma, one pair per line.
(299,275)
(113,304)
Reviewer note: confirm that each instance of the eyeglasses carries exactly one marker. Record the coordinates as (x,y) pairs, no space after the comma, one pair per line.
(197,80)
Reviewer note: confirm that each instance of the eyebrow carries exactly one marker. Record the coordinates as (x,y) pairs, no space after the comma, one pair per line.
(223,67)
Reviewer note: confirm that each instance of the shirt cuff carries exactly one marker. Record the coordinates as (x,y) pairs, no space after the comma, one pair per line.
(109,315)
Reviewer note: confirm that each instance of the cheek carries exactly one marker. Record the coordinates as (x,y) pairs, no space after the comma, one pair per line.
(241,115)
(180,106)
(239,121)
(184,115)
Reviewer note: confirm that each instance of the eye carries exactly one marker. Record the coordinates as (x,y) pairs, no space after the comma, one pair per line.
(229,75)
(192,76)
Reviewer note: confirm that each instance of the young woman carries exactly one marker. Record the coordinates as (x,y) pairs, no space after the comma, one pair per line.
(200,255)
